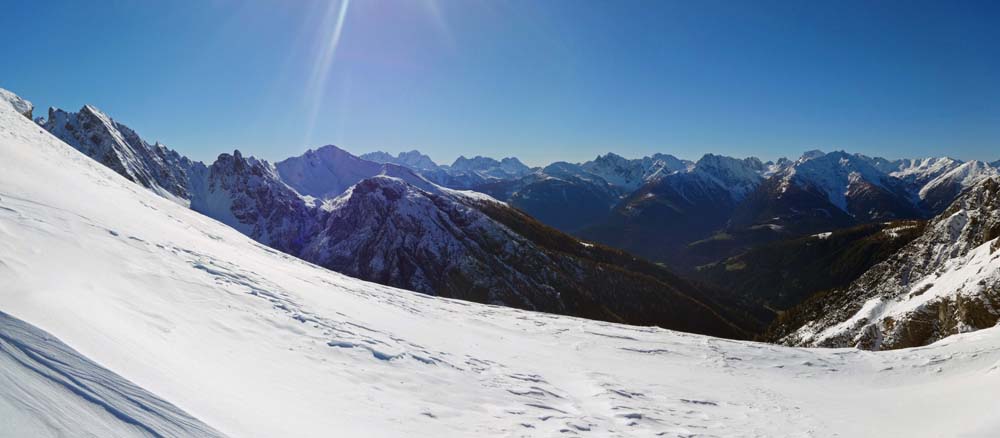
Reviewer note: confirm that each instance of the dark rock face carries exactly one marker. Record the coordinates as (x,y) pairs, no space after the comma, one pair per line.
(946,281)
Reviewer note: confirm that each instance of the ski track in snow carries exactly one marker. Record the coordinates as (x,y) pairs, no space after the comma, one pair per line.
(256,343)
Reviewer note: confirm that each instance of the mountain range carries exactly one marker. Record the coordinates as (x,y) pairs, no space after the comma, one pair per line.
(687,214)
(126,312)
(493,236)
(389,224)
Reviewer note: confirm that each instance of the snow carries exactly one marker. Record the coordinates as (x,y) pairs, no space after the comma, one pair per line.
(893,232)
(962,277)
(256,343)
(325,172)
(823,236)
(628,174)
(833,174)
(18,104)
(964,175)
(922,170)
(50,389)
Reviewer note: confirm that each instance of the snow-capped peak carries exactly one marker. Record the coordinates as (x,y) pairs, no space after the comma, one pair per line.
(325,172)
(632,173)
(834,174)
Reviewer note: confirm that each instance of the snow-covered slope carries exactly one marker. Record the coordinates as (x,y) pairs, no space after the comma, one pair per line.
(256,343)
(940,191)
(50,390)
(19,105)
(918,172)
(946,281)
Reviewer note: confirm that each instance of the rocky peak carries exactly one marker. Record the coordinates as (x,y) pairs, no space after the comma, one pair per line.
(247,194)
(838,175)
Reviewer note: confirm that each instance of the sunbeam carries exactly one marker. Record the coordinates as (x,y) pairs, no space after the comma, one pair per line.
(333,27)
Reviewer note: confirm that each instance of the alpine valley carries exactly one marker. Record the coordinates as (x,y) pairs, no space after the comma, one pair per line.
(148,294)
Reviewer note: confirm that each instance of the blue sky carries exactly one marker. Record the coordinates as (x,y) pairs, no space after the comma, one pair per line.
(542,80)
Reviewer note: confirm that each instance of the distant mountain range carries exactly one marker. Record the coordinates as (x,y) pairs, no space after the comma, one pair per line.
(688,214)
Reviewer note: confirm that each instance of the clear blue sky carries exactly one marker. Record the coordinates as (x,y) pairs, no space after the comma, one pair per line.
(543,80)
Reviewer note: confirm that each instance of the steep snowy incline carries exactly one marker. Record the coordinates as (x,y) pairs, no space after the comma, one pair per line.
(49,390)
(256,343)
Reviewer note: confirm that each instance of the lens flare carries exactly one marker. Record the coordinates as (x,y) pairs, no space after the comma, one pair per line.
(333,27)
